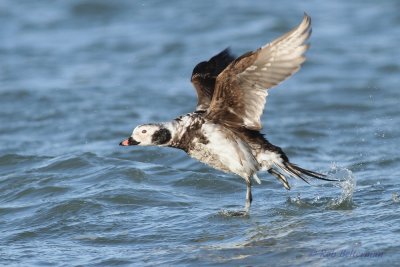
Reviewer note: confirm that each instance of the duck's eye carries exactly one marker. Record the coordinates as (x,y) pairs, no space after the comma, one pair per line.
(144,131)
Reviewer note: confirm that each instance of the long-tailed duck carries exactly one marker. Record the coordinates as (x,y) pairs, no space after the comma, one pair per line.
(224,131)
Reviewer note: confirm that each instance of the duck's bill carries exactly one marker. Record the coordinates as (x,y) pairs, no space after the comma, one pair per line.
(129,142)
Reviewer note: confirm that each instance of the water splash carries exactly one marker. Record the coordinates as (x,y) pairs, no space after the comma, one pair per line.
(347,183)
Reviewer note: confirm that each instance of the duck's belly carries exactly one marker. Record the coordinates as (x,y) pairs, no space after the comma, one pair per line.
(203,153)
(224,151)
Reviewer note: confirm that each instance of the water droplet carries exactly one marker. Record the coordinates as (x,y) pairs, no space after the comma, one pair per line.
(347,184)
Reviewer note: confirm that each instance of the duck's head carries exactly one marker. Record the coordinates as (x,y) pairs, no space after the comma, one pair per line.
(148,135)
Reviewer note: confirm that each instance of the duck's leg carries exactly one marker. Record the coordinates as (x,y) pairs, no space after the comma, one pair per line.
(249,197)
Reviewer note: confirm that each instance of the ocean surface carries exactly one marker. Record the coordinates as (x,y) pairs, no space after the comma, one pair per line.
(77,76)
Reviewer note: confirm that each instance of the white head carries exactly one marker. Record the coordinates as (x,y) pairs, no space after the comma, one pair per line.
(148,135)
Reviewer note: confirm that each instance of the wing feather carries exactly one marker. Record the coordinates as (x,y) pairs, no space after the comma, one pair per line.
(241,89)
(205,74)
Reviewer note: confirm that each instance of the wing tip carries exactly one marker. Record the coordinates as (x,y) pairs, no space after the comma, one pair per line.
(307,17)
(306,24)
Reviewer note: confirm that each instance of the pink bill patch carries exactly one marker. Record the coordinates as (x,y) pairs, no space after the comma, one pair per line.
(125,143)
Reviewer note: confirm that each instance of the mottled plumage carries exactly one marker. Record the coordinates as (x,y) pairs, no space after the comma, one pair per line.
(224,131)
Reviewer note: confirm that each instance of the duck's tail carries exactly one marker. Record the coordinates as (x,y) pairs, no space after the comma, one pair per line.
(272,159)
(284,169)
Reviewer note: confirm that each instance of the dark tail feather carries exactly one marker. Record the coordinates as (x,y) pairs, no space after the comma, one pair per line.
(289,169)
(303,173)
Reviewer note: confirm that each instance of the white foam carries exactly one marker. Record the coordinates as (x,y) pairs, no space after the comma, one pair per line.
(395,197)
(347,183)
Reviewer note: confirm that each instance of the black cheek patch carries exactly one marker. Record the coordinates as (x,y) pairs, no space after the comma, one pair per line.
(161,136)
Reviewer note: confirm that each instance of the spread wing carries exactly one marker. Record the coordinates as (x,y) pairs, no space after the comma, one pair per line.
(204,75)
(241,89)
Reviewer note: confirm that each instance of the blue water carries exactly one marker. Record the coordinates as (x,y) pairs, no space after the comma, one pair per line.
(77,76)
